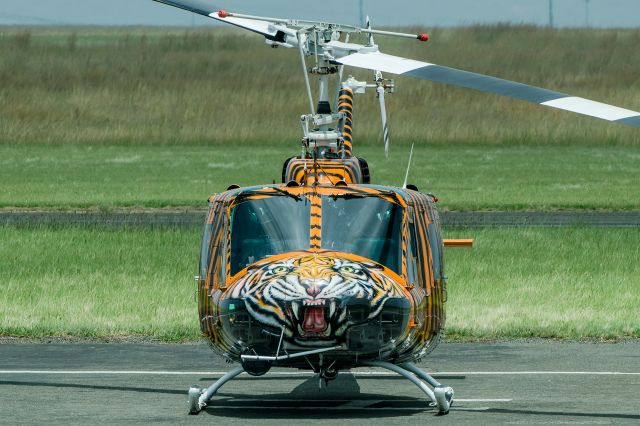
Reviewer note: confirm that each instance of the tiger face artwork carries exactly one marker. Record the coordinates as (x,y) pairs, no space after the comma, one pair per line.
(312,297)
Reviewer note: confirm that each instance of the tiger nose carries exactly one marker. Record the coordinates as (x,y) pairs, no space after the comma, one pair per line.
(314,287)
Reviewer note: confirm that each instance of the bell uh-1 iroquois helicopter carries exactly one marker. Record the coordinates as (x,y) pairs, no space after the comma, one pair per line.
(325,271)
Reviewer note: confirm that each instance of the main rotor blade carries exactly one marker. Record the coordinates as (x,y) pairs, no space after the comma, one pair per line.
(426,71)
(196,6)
(270,31)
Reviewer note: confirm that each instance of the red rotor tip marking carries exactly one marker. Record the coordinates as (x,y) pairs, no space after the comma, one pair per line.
(423,37)
(223,13)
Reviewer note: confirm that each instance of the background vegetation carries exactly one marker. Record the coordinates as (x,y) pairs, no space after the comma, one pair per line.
(213,86)
(564,283)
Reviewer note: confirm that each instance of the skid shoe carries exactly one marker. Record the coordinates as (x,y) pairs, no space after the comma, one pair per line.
(194,399)
(444,398)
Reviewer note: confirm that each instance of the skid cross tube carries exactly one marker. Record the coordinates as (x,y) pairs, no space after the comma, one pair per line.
(407,375)
(440,396)
(424,376)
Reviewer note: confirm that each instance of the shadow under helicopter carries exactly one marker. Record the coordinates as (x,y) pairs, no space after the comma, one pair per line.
(343,397)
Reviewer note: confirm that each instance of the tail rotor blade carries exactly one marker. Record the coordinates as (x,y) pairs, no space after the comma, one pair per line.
(383,115)
(370,38)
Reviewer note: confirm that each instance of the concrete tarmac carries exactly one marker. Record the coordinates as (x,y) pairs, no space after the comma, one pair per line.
(506,383)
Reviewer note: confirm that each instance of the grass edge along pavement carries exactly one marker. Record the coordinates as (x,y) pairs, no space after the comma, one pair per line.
(565,283)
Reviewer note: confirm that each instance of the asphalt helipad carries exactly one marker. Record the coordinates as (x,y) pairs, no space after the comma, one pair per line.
(506,383)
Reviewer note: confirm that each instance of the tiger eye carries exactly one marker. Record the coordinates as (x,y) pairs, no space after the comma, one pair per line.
(280,270)
(348,269)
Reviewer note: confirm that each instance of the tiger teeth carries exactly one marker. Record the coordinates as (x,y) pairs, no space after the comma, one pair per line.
(343,316)
(295,307)
(314,302)
(332,308)
(327,332)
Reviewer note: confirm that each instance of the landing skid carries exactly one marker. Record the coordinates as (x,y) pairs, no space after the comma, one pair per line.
(198,398)
(441,397)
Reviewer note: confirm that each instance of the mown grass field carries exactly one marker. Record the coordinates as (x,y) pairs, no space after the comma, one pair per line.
(93,283)
(535,282)
(221,86)
(467,177)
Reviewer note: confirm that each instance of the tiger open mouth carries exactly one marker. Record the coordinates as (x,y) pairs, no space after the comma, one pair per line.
(314,316)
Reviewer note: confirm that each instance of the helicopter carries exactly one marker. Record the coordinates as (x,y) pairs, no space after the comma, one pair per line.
(326,271)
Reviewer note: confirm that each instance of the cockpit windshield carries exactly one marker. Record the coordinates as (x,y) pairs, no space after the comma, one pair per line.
(263,227)
(370,227)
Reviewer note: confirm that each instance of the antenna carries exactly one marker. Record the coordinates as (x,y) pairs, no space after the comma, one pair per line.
(406,176)
(551,13)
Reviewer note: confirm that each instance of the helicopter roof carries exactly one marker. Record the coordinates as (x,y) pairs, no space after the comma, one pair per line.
(391,193)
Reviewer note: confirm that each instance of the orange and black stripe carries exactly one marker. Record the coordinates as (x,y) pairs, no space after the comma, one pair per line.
(328,172)
(345,106)
(316,222)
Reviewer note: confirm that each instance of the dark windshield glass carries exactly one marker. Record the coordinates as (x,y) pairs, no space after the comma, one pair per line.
(369,227)
(268,226)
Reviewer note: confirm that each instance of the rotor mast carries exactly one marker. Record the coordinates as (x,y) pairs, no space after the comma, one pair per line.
(322,127)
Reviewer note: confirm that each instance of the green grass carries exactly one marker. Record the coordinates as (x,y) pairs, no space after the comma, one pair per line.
(465,177)
(538,282)
(553,283)
(220,86)
(96,283)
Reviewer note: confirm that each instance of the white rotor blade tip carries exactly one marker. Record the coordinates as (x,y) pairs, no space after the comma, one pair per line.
(592,108)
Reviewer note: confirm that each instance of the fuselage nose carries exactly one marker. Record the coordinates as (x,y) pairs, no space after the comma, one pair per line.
(316,298)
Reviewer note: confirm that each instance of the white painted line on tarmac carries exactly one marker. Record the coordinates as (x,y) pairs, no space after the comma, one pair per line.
(303,408)
(305,374)
(454,408)
(533,373)
(360,402)
(482,400)
(127,372)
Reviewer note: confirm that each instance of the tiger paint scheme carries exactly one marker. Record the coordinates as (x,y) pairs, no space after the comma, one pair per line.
(320,296)
(308,295)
